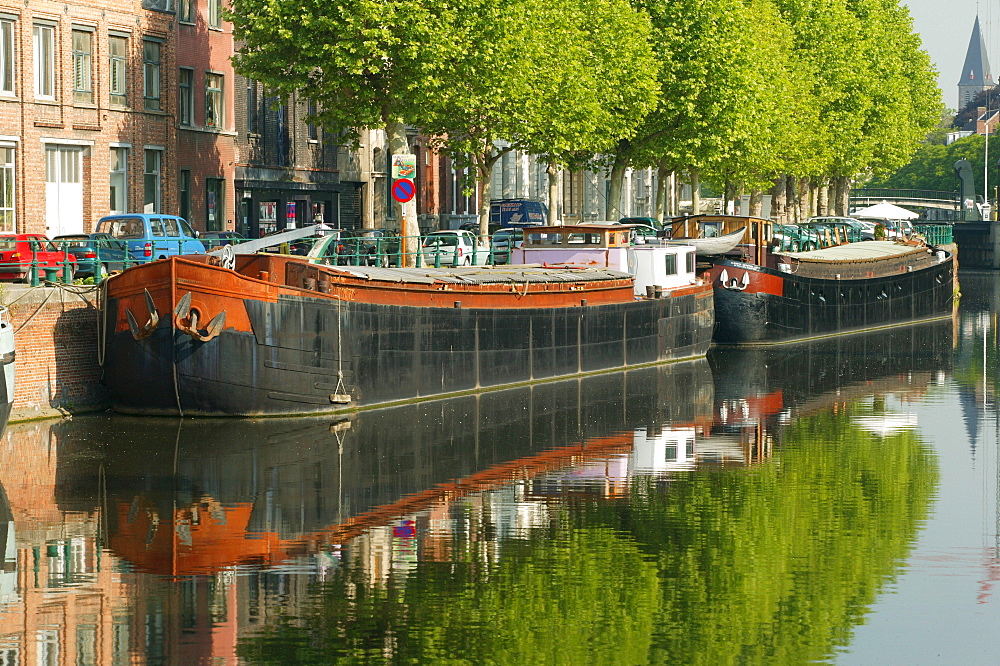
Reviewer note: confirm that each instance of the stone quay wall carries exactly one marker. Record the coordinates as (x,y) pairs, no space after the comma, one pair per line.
(56,337)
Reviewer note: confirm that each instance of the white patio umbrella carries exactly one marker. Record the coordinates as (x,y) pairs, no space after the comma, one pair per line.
(885,211)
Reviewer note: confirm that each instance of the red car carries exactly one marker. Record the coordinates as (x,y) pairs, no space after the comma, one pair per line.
(18,250)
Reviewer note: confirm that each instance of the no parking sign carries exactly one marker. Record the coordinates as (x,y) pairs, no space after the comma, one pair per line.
(403,190)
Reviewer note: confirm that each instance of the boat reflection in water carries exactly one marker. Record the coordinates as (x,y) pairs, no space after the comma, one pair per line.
(188,497)
(653,515)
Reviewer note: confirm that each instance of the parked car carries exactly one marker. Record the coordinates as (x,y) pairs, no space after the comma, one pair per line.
(643,233)
(152,236)
(455,247)
(503,242)
(18,252)
(794,238)
(854,230)
(97,255)
(214,239)
(647,221)
(370,247)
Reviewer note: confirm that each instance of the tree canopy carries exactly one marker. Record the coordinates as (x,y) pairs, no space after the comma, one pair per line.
(739,91)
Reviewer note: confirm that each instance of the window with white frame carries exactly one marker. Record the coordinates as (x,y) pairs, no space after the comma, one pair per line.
(151,74)
(117,67)
(119,180)
(151,181)
(6,56)
(213,14)
(83,80)
(213,100)
(185,96)
(45,61)
(7,190)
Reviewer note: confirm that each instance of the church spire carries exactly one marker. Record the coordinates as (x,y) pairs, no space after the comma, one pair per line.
(976,73)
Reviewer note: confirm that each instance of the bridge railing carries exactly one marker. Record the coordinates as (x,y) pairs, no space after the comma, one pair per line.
(888,194)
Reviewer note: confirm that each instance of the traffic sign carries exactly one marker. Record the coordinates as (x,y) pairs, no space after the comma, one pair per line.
(403,190)
(404,166)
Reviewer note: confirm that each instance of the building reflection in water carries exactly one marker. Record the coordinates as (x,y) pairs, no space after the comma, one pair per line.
(161,541)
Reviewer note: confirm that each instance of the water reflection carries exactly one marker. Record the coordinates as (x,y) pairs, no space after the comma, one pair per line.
(653,515)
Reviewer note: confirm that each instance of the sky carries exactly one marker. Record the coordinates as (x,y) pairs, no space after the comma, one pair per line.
(945,27)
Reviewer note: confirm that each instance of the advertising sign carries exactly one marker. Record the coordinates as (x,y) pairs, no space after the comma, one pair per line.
(404,166)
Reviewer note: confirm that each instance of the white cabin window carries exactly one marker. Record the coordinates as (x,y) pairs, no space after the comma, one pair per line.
(689,262)
(671,260)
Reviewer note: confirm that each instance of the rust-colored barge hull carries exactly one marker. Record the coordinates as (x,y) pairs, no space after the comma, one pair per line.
(297,338)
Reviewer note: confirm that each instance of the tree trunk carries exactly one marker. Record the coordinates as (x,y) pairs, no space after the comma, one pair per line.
(662,192)
(803,199)
(552,170)
(484,169)
(823,199)
(791,200)
(614,210)
(842,187)
(756,203)
(779,200)
(695,192)
(409,225)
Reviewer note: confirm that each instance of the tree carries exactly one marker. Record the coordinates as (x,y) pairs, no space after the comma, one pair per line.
(560,78)
(366,63)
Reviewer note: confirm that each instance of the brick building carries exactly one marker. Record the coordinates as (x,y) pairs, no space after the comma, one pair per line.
(85,121)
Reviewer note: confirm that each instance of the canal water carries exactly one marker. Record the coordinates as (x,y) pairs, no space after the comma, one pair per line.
(834,501)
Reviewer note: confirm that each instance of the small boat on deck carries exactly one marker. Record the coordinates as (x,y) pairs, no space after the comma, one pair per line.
(277,335)
(713,245)
(763,295)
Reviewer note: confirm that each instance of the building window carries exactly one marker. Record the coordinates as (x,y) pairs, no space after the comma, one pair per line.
(313,130)
(83,88)
(185,96)
(117,50)
(151,74)
(253,108)
(185,194)
(119,180)
(185,11)
(213,100)
(151,182)
(214,203)
(213,13)
(6,57)
(7,189)
(45,68)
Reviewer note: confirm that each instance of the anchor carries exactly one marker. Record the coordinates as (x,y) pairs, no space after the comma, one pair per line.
(734,284)
(186,320)
(150,325)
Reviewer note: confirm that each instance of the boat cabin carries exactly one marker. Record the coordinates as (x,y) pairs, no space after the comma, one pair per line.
(609,245)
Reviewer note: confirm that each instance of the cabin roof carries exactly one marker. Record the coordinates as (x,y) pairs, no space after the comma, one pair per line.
(582,227)
(851,251)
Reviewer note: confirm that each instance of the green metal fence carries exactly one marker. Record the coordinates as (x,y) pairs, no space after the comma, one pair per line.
(935,234)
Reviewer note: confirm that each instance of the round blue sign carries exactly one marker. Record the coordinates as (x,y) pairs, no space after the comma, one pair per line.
(403,190)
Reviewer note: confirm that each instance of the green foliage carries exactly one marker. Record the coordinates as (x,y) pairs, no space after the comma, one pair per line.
(933,166)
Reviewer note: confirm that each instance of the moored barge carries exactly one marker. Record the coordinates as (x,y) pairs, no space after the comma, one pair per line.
(764,296)
(277,335)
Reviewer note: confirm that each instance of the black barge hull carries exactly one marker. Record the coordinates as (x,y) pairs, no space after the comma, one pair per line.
(302,352)
(786,307)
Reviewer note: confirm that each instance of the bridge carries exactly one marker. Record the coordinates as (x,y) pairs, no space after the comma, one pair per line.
(936,204)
